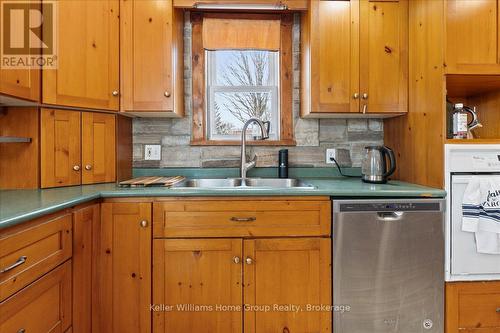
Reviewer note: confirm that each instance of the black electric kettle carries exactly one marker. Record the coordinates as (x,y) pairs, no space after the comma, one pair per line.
(374,167)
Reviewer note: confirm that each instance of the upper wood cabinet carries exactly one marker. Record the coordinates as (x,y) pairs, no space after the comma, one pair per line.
(77,148)
(123,285)
(152,71)
(98,148)
(291,4)
(355,57)
(87,73)
(472,48)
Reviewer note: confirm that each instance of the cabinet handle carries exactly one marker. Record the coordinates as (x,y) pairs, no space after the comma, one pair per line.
(249,261)
(76,168)
(115,93)
(498,310)
(19,262)
(21,330)
(144,224)
(365,107)
(236,260)
(167,94)
(243,219)
(365,96)
(355,96)
(88,167)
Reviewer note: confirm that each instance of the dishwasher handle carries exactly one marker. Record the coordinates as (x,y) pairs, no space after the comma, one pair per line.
(390,216)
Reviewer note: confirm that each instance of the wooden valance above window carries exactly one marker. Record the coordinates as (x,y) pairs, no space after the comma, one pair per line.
(241,32)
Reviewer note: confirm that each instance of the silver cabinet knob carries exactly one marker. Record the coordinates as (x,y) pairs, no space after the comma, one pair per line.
(236,260)
(498,310)
(167,94)
(76,168)
(355,96)
(88,167)
(365,96)
(144,224)
(21,330)
(115,93)
(249,261)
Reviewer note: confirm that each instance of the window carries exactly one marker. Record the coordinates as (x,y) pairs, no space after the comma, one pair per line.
(241,84)
(242,68)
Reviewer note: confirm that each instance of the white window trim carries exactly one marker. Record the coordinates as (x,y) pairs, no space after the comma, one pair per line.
(212,89)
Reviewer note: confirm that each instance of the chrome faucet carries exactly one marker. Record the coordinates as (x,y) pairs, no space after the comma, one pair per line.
(244,165)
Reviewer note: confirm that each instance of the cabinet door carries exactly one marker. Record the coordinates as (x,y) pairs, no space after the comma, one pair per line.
(330,48)
(473,307)
(472,48)
(88,56)
(43,306)
(124,269)
(98,148)
(384,56)
(151,57)
(288,271)
(60,148)
(85,221)
(202,272)
(20,82)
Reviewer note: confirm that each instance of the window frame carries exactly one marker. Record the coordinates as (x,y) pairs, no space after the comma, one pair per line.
(200,94)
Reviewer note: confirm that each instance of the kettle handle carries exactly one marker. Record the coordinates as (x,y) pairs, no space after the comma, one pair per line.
(392,159)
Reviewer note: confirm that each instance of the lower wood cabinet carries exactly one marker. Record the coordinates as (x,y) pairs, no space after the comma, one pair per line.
(86,223)
(43,306)
(236,285)
(123,286)
(473,307)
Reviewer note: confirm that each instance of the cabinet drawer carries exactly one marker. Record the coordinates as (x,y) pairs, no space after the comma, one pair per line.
(43,306)
(473,306)
(26,253)
(222,217)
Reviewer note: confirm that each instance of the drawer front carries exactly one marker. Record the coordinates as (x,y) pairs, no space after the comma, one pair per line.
(43,306)
(473,306)
(241,218)
(28,253)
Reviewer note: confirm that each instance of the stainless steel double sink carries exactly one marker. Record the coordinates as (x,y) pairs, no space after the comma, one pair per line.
(247,183)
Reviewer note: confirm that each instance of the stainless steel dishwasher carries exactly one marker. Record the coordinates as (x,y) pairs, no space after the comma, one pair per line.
(388,266)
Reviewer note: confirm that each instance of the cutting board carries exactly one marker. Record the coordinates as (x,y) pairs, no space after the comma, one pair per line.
(150,181)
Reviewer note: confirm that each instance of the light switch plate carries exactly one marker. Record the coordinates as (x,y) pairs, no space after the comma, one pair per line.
(152,152)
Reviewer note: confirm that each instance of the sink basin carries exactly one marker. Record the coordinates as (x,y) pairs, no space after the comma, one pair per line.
(250,183)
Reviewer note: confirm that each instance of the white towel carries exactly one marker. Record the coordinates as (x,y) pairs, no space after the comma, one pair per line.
(481,213)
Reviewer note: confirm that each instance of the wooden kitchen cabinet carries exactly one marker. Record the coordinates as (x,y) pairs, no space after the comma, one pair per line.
(205,272)
(285,266)
(355,58)
(87,73)
(152,49)
(98,148)
(288,271)
(77,148)
(60,148)
(43,306)
(123,290)
(86,223)
(472,48)
(473,307)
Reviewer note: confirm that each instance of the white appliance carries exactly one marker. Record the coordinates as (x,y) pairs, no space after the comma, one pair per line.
(462,162)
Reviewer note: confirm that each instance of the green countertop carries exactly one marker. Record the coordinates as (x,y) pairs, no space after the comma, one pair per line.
(22,205)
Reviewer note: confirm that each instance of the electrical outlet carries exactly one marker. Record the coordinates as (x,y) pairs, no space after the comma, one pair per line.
(329,154)
(152,152)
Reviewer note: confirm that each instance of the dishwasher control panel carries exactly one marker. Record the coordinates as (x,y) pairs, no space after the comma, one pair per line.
(391,207)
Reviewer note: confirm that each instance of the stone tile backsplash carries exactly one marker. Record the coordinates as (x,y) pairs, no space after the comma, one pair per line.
(313,136)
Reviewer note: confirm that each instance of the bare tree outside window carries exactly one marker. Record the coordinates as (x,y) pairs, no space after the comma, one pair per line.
(241,85)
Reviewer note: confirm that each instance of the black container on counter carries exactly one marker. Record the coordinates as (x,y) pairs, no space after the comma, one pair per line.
(283,163)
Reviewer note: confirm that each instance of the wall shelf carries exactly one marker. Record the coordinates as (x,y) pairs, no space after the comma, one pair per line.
(14,139)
